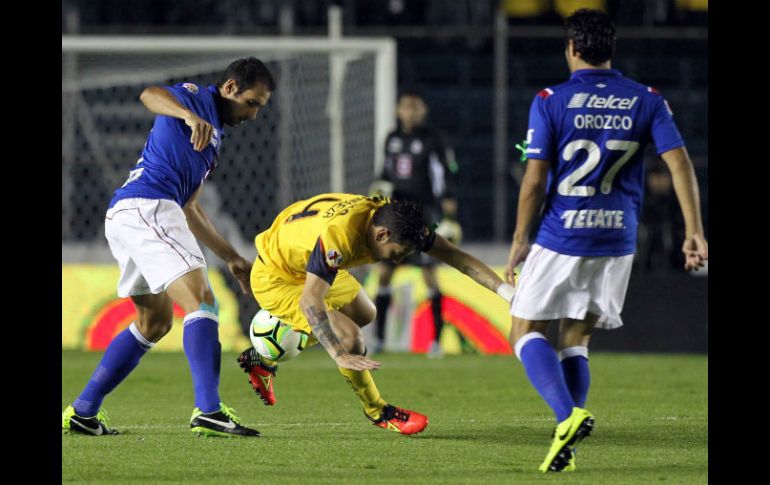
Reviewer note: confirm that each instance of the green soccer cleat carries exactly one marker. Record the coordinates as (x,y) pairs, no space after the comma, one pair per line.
(93,426)
(571,465)
(221,423)
(569,432)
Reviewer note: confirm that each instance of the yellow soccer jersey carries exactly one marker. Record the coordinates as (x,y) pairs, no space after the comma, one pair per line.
(320,235)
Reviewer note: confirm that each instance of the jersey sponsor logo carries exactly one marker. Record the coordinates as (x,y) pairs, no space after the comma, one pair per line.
(593,219)
(333,258)
(404,166)
(578,100)
(416,147)
(191,87)
(603,122)
(533,150)
(599,102)
(395,145)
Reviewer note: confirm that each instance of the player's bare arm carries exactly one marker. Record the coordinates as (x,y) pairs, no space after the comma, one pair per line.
(695,247)
(160,101)
(467,264)
(314,308)
(531,199)
(204,230)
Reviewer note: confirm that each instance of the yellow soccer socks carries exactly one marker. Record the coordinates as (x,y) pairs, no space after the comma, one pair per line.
(366,390)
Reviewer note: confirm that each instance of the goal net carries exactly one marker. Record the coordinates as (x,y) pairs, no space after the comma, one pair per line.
(322,130)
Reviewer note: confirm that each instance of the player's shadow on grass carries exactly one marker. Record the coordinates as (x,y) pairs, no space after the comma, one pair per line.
(653,437)
(499,434)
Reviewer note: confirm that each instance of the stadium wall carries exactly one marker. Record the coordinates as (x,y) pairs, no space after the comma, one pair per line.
(666,312)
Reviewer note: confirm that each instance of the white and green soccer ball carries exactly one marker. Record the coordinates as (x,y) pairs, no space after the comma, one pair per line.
(274,339)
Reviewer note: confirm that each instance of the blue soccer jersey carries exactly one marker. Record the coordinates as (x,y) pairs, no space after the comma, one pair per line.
(593,130)
(169,167)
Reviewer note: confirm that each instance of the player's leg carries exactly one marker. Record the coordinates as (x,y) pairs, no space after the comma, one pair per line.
(211,417)
(574,336)
(120,358)
(545,374)
(351,337)
(541,364)
(275,298)
(382,301)
(361,310)
(375,407)
(431,281)
(124,225)
(171,260)
(200,335)
(551,286)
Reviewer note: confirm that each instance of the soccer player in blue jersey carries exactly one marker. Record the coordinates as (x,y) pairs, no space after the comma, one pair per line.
(152,224)
(585,146)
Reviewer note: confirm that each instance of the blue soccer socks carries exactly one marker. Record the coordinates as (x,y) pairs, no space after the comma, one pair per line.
(544,372)
(120,358)
(204,354)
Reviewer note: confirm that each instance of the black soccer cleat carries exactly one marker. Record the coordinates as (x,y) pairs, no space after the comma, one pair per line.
(93,426)
(219,423)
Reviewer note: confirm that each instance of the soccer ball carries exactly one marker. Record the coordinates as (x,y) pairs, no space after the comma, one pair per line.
(274,339)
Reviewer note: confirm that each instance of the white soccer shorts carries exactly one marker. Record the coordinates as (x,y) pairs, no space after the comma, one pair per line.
(553,286)
(153,244)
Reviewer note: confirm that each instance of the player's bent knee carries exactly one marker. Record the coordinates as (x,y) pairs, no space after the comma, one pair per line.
(154,329)
(367,317)
(519,328)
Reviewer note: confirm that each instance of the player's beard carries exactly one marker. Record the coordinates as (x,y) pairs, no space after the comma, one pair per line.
(225,108)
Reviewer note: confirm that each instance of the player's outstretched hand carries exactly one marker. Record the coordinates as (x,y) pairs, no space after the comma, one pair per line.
(518,254)
(696,252)
(201,131)
(241,269)
(356,362)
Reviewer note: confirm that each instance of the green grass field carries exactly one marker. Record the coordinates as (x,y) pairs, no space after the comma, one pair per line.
(487,425)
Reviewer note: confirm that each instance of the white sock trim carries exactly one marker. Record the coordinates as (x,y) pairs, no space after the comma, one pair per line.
(139,337)
(523,340)
(200,314)
(573,351)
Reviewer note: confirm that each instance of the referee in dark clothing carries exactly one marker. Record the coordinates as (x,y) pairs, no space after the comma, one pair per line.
(421,168)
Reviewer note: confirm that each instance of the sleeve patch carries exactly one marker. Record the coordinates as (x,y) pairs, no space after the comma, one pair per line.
(545,93)
(319,262)
(193,88)
(333,258)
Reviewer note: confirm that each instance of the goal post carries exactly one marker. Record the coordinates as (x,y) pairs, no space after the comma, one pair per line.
(323,129)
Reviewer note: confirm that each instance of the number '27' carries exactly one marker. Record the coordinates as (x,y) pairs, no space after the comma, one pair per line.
(568,187)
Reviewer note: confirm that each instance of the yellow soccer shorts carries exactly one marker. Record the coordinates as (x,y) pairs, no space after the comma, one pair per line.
(281,297)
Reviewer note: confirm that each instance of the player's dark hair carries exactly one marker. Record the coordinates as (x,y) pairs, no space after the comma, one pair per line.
(404,219)
(413,93)
(593,34)
(248,72)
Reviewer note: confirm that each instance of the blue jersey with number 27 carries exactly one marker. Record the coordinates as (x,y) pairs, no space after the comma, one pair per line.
(169,167)
(593,130)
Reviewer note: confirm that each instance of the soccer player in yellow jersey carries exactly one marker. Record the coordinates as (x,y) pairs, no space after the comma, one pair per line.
(300,276)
